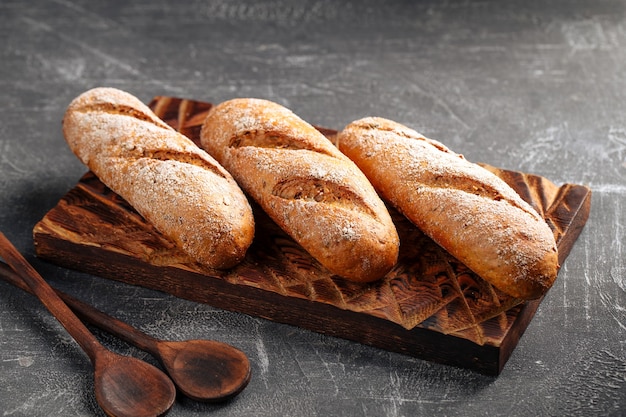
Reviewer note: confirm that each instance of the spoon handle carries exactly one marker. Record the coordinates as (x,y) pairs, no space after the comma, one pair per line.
(50,299)
(90,314)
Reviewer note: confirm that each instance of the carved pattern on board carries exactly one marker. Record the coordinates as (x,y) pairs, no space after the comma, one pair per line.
(427,288)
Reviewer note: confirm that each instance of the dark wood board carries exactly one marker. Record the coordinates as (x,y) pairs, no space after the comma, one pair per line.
(429,306)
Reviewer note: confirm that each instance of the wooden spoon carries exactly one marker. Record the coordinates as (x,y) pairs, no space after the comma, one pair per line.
(203,370)
(124,386)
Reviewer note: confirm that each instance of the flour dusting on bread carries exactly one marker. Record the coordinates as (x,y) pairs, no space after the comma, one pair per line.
(177,187)
(305,184)
(469,211)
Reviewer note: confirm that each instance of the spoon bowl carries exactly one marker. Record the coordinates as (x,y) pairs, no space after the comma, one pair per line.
(125,385)
(205,370)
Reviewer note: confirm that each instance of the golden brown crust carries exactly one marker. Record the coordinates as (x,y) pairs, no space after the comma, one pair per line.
(181,190)
(306,186)
(466,209)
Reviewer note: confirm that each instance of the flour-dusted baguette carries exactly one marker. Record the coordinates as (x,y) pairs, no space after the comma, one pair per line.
(176,186)
(466,209)
(309,188)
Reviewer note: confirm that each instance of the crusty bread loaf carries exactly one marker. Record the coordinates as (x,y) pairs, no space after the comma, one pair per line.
(466,209)
(176,186)
(309,188)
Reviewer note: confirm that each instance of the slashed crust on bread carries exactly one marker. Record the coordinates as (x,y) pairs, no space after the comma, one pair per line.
(177,187)
(466,209)
(309,188)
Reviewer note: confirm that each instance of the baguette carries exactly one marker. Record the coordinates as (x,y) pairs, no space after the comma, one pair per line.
(467,210)
(176,186)
(310,189)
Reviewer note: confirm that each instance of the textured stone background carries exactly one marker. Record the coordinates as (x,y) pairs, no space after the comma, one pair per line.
(526,85)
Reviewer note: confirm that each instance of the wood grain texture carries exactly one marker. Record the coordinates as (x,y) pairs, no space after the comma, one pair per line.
(430,306)
(536,87)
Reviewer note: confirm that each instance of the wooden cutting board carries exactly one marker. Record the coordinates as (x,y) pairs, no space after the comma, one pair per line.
(429,306)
